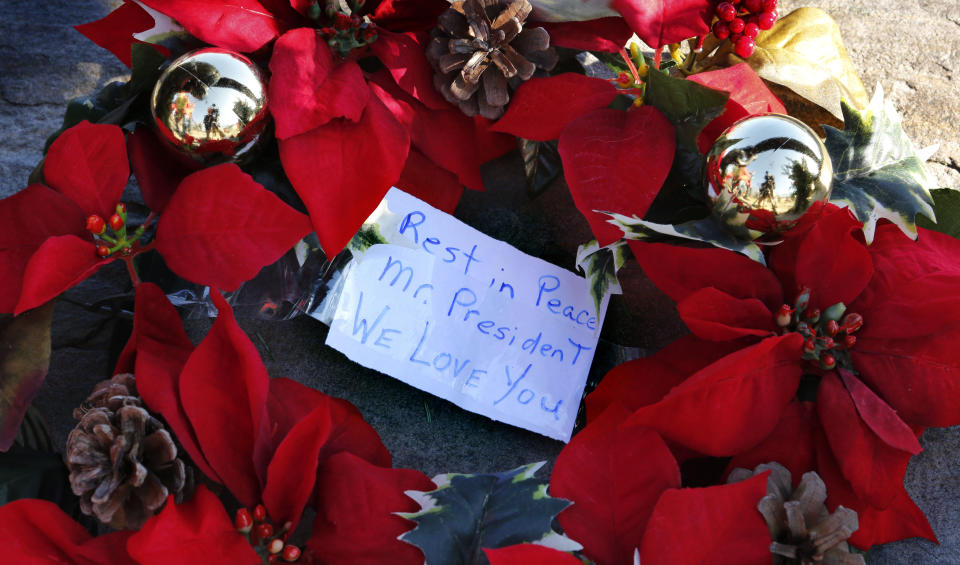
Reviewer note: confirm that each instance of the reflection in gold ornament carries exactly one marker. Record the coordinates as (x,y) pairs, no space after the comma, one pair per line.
(765,172)
(211,104)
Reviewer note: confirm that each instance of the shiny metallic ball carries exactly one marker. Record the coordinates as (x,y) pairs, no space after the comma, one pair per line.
(211,105)
(764,173)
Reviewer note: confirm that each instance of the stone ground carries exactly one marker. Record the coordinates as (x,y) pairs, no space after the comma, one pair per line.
(911,48)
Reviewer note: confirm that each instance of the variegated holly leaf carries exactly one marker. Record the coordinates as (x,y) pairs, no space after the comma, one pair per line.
(707,230)
(368,236)
(470,512)
(876,170)
(600,266)
(946,204)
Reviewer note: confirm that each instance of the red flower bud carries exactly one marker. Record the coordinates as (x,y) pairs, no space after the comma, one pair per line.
(121,208)
(852,322)
(849,341)
(262,532)
(95,224)
(809,345)
(273,558)
(828,343)
(103,250)
(243,522)
(259,513)
(832,328)
(291,553)
(783,316)
(342,21)
(116,222)
(275,546)
(828,361)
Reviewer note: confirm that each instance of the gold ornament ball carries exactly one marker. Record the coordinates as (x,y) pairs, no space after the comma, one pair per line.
(764,173)
(211,105)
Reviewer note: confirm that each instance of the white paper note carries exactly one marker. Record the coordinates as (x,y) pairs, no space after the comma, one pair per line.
(468,318)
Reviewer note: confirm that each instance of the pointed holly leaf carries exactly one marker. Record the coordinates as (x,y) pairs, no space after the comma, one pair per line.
(600,266)
(946,205)
(876,170)
(707,230)
(24,360)
(470,512)
(368,236)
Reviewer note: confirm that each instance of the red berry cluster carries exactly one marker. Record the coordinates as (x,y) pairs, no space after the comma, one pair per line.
(741,20)
(348,32)
(826,339)
(258,530)
(118,225)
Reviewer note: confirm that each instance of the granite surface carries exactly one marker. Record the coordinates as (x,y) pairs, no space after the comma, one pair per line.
(911,48)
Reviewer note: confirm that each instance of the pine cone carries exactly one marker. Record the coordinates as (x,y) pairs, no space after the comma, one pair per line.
(803,531)
(480,50)
(122,461)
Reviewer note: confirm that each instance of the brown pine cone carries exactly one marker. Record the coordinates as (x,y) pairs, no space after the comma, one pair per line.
(481,50)
(804,532)
(122,461)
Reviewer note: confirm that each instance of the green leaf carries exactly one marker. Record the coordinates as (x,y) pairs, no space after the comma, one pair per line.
(689,107)
(707,230)
(600,266)
(368,236)
(876,170)
(541,164)
(470,512)
(946,204)
(24,360)
(145,68)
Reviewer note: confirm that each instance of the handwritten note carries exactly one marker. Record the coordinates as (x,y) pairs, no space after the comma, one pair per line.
(468,318)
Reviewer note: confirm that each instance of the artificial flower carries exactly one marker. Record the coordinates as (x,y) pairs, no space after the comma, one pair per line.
(762,341)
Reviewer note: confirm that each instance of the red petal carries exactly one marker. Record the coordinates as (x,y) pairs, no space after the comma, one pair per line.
(542,107)
(38,531)
(902,519)
(913,292)
(27,218)
(88,164)
(342,171)
(716,525)
(603,34)
(714,315)
(221,227)
(162,349)
(223,389)
(614,476)
(409,15)
(332,427)
(749,95)
(616,162)
(240,25)
(355,523)
(879,417)
(835,276)
(60,263)
(403,56)
(791,443)
(158,173)
(430,182)
(529,554)
(670,268)
(115,32)
(640,382)
(738,398)
(661,23)
(190,534)
(310,86)
(874,468)
(920,377)
(446,137)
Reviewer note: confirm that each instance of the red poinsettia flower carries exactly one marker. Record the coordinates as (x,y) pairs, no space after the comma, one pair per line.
(219,228)
(881,366)
(625,487)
